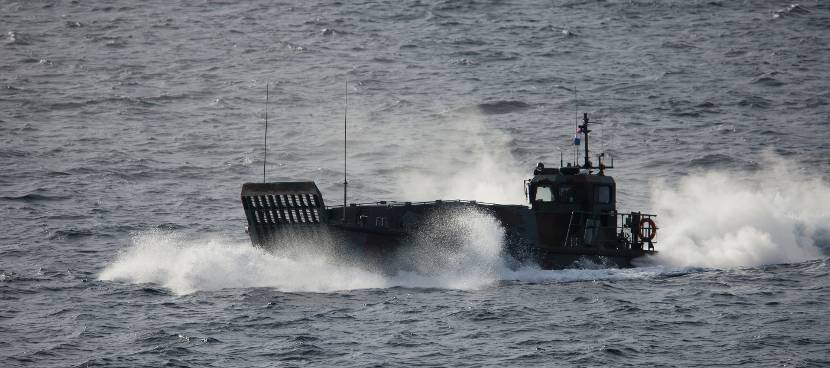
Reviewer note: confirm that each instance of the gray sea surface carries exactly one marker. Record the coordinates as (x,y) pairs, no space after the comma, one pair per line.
(128,127)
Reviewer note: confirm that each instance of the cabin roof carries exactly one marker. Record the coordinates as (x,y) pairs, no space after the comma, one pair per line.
(582,178)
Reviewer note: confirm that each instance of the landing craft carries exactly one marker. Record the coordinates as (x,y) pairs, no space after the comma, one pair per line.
(571,216)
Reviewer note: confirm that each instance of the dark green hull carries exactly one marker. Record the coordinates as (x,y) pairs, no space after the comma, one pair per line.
(382,234)
(571,217)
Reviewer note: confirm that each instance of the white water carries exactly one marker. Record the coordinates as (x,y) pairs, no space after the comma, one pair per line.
(731,219)
(709,219)
(189,265)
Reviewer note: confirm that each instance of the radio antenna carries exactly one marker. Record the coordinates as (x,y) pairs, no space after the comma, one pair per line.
(265,145)
(345,142)
(576,126)
(602,137)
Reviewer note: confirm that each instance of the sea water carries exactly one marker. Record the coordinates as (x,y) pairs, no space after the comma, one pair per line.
(127,129)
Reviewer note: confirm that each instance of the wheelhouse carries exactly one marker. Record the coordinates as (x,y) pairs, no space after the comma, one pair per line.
(551,189)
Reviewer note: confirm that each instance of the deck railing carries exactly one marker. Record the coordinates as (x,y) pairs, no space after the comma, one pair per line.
(585,227)
(401,204)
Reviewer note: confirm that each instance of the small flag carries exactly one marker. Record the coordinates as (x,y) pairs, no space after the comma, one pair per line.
(576,137)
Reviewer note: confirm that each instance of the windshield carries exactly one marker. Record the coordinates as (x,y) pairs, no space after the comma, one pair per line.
(604,194)
(566,194)
(544,194)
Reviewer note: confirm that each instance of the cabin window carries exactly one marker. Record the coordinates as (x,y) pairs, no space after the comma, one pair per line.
(544,194)
(603,194)
(566,194)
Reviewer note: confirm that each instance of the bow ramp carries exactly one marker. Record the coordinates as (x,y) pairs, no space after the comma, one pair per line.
(273,207)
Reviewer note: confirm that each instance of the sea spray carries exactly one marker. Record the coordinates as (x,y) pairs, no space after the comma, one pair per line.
(187,265)
(465,161)
(729,219)
(459,247)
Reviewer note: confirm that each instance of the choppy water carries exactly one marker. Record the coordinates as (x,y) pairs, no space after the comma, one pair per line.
(128,128)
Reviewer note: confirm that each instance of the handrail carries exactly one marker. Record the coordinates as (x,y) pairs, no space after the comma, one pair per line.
(618,213)
(568,233)
(623,226)
(406,203)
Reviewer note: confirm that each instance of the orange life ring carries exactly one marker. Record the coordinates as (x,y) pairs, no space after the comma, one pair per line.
(652,227)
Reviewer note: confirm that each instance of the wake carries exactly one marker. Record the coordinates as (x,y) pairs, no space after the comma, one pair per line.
(710,219)
(732,219)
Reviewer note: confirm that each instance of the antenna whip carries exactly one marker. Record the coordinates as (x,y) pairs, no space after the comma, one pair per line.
(265,154)
(576,127)
(345,155)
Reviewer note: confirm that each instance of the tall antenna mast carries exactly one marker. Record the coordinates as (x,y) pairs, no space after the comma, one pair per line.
(345,155)
(602,138)
(585,131)
(265,154)
(576,126)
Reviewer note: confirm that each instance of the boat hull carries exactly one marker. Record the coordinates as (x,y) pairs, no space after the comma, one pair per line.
(388,236)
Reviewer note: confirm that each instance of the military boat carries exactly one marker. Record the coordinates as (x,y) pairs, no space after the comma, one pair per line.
(570,217)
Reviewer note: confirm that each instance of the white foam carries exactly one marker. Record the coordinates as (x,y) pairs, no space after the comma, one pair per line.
(730,219)
(711,219)
(459,249)
(536,275)
(188,265)
(185,266)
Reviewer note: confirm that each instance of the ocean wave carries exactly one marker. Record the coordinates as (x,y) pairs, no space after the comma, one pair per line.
(768,80)
(34,197)
(498,107)
(792,9)
(15,38)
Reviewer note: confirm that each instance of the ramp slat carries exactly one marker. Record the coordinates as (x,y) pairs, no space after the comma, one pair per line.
(270,207)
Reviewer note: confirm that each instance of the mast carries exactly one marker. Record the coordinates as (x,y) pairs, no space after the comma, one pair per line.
(576,126)
(585,131)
